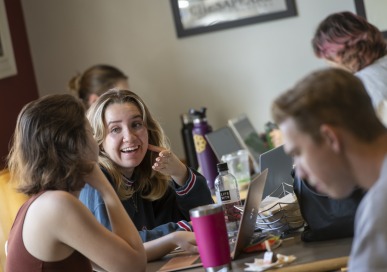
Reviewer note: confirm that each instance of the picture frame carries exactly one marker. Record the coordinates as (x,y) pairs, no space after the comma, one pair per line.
(7,58)
(193,17)
(374,12)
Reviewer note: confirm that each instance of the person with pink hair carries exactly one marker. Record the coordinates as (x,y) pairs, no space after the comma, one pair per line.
(349,41)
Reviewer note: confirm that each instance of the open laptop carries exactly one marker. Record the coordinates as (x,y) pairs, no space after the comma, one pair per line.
(223,141)
(245,231)
(249,214)
(249,138)
(280,166)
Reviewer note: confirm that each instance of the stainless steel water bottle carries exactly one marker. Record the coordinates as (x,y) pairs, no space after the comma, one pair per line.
(205,155)
(189,146)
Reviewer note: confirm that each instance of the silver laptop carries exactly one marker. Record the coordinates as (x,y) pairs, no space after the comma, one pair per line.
(280,166)
(245,231)
(249,214)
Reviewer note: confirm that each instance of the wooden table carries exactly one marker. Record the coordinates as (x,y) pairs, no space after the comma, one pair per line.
(310,256)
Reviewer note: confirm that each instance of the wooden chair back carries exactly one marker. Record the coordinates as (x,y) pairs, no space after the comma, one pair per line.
(10,202)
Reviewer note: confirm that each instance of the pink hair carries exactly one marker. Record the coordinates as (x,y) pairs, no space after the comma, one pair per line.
(348,39)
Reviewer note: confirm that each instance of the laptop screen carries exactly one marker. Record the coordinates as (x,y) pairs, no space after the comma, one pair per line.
(223,141)
(250,213)
(249,138)
(280,166)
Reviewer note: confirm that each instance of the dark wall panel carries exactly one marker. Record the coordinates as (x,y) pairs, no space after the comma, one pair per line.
(15,91)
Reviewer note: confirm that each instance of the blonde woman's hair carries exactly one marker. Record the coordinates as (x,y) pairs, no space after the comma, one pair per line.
(150,184)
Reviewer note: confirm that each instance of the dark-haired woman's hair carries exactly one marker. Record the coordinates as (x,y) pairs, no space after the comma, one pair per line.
(50,148)
(95,80)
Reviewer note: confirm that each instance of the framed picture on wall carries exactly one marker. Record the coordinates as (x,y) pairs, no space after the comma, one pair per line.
(7,59)
(374,11)
(199,16)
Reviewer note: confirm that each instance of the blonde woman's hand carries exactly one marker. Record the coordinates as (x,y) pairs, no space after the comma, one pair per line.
(169,164)
(185,240)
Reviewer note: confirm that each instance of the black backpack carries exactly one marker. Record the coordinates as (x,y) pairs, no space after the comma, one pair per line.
(326,218)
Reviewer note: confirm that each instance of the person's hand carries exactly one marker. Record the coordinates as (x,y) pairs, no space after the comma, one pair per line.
(157,248)
(169,164)
(185,240)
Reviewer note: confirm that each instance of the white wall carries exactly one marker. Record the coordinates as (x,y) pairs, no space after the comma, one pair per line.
(233,71)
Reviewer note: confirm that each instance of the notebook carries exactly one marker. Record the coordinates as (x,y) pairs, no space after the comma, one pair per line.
(249,214)
(280,166)
(249,138)
(181,262)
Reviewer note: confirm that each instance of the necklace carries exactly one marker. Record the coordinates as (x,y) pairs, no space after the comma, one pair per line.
(129,184)
(134,201)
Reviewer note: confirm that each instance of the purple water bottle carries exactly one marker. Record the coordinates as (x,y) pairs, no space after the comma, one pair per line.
(205,154)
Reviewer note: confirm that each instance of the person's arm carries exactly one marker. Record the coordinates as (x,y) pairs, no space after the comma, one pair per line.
(193,193)
(154,250)
(165,229)
(158,248)
(115,250)
(92,199)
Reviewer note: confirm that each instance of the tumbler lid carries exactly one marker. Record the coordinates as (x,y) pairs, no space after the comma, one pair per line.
(205,210)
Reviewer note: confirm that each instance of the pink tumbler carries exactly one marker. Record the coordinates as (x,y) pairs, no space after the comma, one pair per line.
(211,237)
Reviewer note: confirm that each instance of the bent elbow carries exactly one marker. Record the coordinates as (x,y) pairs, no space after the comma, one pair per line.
(142,261)
(137,262)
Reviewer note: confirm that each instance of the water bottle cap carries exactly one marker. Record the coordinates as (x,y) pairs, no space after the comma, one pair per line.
(222,166)
(186,119)
(205,210)
(198,114)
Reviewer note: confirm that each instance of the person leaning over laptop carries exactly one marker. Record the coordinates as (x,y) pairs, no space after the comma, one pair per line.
(348,41)
(331,129)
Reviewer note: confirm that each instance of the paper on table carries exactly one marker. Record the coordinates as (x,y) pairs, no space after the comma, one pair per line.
(181,262)
(260,265)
